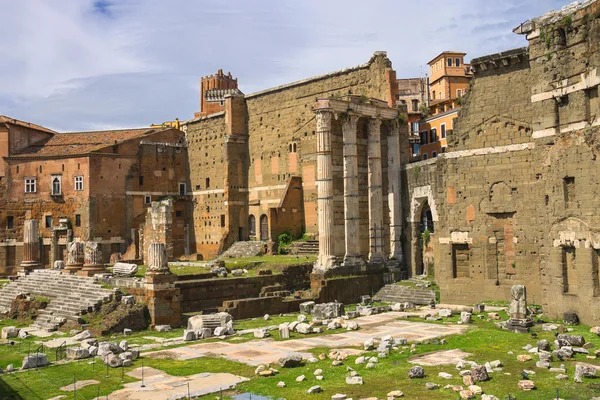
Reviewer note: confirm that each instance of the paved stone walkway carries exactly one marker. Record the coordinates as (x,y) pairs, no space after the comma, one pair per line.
(162,386)
(258,352)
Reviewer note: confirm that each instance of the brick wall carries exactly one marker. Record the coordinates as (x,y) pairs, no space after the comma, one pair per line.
(515,195)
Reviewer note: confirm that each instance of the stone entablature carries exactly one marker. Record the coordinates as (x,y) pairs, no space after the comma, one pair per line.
(498,60)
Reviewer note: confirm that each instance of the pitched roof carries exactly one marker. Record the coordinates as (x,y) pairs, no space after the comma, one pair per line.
(78,143)
(8,120)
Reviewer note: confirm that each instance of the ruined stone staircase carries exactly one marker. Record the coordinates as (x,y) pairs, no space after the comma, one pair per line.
(308,247)
(394,293)
(70,296)
(250,248)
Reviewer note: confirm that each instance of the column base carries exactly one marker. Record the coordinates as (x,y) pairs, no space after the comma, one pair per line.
(354,260)
(325,263)
(377,259)
(72,269)
(28,266)
(91,271)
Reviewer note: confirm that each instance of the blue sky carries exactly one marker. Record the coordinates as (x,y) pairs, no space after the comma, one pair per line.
(101,64)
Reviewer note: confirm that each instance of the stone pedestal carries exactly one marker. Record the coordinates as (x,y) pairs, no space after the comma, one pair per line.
(163,298)
(376,252)
(326,259)
(31,250)
(519,321)
(75,257)
(92,264)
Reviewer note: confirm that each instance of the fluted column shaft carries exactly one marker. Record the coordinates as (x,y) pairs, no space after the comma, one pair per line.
(31,255)
(75,256)
(375,192)
(351,211)
(325,189)
(157,259)
(394,194)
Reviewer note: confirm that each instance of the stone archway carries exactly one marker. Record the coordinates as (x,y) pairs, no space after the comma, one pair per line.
(423,214)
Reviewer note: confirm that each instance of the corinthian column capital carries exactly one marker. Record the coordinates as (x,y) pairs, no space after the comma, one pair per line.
(374,126)
(394,126)
(324,118)
(349,122)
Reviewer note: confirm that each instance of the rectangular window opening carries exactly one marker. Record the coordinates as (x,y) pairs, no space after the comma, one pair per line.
(569,191)
(48,221)
(569,273)
(78,220)
(147,199)
(222,220)
(433,135)
(79,182)
(30,185)
(10,222)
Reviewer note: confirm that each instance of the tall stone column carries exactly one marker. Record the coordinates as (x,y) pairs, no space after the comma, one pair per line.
(375,192)
(31,252)
(351,212)
(326,258)
(75,257)
(394,195)
(157,260)
(92,263)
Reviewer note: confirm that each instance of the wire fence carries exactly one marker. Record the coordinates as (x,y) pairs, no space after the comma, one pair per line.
(89,369)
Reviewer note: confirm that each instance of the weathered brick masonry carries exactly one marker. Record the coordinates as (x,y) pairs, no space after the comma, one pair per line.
(515,198)
(255,162)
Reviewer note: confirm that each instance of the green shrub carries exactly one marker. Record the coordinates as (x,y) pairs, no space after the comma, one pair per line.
(283,242)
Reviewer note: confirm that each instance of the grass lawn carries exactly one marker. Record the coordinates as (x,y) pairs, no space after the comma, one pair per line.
(252,264)
(483,340)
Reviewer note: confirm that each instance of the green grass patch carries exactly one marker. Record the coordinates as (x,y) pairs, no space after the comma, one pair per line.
(483,341)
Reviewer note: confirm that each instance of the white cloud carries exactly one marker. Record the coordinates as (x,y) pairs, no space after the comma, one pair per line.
(75,64)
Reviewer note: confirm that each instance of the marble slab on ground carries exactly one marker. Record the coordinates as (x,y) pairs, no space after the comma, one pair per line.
(41,333)
(78,385)
(258,352)
(53,343)
(442,357)
(162,386)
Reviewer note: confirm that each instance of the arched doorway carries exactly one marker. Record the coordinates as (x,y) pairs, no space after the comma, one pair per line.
(252,226)
(264,227)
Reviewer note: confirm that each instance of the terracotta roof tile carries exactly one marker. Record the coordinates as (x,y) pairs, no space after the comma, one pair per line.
(8,120)
(74,143)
